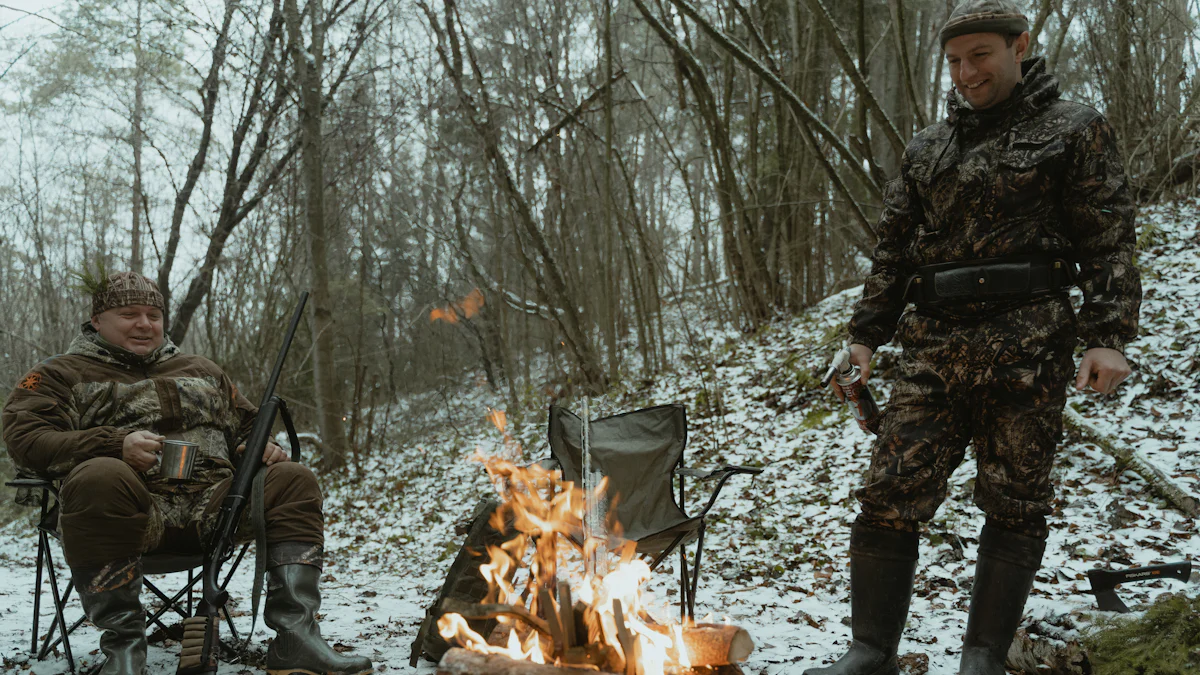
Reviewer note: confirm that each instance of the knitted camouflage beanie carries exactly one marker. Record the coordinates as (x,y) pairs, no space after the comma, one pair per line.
(126,288)
(984,16)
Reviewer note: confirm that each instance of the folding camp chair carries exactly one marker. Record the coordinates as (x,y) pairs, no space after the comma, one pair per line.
(641,453)
(46,494)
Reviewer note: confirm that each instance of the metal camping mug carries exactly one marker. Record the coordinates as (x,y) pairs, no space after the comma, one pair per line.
(178,459)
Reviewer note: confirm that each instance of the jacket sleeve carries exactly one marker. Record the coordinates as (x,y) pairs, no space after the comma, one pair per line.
(882,303)
(1099,218)
(40,423)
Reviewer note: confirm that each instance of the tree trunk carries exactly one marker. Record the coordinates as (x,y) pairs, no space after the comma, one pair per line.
(326,385)
(139,70)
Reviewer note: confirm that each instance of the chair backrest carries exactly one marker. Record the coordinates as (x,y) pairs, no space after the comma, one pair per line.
(638,452)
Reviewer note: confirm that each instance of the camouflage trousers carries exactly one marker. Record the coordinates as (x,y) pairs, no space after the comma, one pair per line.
(998,383)
(109,514)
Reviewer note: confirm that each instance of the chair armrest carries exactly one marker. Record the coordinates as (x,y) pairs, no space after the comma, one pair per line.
(722,475)
(730,469)
(547,463)
(30,483)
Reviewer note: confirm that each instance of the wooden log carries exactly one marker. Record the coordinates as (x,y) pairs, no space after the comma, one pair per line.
(1159,481)
(472,611)
(713,644)
(546,605)
(566,614)
(458,661)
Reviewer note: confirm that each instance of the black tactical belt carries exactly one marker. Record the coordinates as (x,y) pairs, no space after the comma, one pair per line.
(989,279)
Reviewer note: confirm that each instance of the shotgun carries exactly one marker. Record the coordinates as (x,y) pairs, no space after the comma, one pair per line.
(198,654)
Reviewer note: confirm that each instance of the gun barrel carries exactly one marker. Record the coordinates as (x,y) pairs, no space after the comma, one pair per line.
(287,342)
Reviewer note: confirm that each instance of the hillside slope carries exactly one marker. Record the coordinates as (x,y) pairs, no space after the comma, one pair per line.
(776,558)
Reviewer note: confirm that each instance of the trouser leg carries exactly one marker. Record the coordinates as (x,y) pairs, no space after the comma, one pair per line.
(107,514)
(1019,418)
(292,500)
(922,435)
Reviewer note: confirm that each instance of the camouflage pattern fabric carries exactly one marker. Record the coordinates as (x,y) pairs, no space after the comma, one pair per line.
(82,405)
(984,16)
(1034,176)
(1037,176)
(999,384)
(126,288)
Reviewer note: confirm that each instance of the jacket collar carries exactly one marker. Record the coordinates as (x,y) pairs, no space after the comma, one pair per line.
(1035,91)
(89,343)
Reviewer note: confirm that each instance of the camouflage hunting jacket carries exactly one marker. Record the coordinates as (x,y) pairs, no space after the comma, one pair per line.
(1035,176)
(83,404)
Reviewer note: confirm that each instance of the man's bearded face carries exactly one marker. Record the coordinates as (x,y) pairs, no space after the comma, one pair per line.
(984,68)
(134,328)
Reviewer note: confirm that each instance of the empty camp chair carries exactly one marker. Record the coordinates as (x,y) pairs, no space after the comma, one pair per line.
(641,453)
(33,491)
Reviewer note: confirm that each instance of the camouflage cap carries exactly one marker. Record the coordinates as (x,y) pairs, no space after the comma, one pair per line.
(126,288)
(984,16)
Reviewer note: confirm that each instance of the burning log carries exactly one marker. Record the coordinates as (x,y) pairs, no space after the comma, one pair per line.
(712,644)
(472,611)
(460,661)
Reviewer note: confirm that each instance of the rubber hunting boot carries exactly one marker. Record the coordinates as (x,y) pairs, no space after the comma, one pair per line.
(110,598)
(882,566)
(1004,575)
(291,607)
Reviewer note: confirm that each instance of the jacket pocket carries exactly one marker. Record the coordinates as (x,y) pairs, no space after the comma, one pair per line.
(1027,176)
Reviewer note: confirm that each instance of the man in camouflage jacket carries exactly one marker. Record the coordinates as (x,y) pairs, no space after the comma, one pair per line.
(991,208)
(95,418)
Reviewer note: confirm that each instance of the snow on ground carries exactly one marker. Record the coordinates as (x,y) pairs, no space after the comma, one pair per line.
(776,558)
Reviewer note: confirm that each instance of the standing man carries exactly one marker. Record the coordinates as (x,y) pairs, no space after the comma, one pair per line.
(993,209)
(96,417)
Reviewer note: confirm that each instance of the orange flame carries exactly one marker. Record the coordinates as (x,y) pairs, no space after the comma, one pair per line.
(467,308)
(542,510)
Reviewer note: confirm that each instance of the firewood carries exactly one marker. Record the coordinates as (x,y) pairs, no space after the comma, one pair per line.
(566,614)
(713,644)
(472,611)
(458,661)
(546,605)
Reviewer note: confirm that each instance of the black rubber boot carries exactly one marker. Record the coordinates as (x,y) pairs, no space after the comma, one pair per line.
(110,598)
(882,566)
(1004,575)
(291,610)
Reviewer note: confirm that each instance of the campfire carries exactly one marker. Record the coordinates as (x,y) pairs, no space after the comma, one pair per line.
(567,592)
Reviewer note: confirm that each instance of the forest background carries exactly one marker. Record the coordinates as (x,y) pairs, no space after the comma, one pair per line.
(500,191)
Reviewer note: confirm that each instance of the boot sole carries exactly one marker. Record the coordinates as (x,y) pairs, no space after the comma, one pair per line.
(305,671)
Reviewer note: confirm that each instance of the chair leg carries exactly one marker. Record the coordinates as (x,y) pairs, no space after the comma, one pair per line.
(684,598)
(43,547)
(60,619)
(695,574)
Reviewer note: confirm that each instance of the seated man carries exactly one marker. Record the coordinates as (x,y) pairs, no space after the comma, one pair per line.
(96,417)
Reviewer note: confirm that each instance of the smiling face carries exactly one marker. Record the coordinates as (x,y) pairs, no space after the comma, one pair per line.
(984,68)
(134,328)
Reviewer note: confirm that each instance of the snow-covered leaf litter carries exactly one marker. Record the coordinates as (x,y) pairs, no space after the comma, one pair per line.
(775,559)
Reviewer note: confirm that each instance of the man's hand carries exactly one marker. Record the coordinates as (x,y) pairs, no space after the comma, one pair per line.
(860,355)
(272,454)
(1102,369)
(140,449)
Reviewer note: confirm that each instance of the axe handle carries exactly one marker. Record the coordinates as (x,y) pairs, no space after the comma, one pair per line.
(1107,579)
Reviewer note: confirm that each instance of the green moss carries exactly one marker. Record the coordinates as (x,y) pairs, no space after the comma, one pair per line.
(1163,641)
(815,418)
